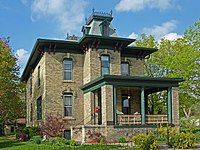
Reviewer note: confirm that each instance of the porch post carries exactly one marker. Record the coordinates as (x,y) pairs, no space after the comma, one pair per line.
(142,106)
(114,105)
(169,105)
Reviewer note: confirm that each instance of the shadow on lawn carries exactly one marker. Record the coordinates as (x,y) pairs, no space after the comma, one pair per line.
(9,143)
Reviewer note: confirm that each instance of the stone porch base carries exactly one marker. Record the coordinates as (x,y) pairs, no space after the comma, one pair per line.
(85,133)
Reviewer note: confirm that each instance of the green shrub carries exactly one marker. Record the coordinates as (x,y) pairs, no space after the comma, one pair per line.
(36,139)
(73,143)
(57,141)
(182,140)
(121,139)
(102,140)
(31,131)
(145,142)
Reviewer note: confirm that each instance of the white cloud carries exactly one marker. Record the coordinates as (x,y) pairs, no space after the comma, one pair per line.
(22,57)
(137,5)
(172,36)
(66,13)
(158,31)
(133,35)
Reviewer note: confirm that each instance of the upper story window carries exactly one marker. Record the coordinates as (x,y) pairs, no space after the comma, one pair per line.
(105,64)
(68,66)
(39,108)
(125,68)
(39,76)
(68,101)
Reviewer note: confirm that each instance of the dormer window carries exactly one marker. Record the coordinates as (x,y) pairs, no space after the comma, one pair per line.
(104,27)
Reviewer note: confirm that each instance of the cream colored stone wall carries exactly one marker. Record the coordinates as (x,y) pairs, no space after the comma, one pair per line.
(107,104)
(37,91)
(175,106)
(136,66)
(56,86)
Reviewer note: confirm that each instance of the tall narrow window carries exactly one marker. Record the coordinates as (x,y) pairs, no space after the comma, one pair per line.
(125,70)
(30,84)
(105,64)
(39,108)
(39,76)
(68,100)
(68,66)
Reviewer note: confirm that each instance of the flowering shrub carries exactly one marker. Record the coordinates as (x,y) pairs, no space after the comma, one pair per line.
(53,126)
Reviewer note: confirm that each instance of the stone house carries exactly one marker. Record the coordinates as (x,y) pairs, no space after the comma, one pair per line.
(96,83)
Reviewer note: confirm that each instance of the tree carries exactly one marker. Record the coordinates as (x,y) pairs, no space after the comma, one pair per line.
(179,58)
(11,103)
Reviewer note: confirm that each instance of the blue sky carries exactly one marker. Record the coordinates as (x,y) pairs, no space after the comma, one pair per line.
(26,20)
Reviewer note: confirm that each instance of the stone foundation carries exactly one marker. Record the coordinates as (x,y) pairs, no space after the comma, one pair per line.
(87,133)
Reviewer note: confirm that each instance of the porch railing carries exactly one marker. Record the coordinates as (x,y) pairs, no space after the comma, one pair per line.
(156,119)
(129,119)
(136,119)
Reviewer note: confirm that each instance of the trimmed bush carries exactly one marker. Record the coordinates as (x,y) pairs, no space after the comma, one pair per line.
(182,140)
(145,142)
(36,139)
(121,139)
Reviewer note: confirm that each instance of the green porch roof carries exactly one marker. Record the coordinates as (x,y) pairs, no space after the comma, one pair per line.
(150,83)
(49,45)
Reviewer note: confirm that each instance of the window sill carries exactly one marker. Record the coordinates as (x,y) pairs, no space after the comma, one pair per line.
(68,118)
(68,81)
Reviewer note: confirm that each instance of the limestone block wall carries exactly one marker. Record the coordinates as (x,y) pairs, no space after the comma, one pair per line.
(92,63)
(107,104)
(136,65)
(175,106)
(37,91)
(56,86)
(88,107)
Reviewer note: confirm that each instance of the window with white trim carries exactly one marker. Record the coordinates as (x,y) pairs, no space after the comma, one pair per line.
(68,103)
(68,68)
(125,69)
(105,64)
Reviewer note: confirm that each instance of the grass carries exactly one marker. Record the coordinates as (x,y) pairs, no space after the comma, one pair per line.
(10,143)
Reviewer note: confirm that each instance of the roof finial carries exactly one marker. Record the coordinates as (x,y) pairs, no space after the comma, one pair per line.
(93,10)
(85,19)
(111,12)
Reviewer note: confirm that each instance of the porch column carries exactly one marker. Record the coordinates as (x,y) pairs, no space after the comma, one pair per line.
(169,105)
(114,105)
(142,106)
(107,104)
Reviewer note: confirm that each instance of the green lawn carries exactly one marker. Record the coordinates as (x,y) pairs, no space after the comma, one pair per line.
(9,143)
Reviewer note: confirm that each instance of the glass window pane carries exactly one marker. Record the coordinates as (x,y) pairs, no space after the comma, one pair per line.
(125,69)
(68,111)
(105,64)
(67,66)
(67,75)
(68,100)
(105,71)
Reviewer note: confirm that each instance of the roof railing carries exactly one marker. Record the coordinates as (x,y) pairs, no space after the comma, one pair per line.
(101,14)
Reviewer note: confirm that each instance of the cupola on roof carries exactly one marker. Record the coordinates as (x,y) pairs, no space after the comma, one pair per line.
(99,23)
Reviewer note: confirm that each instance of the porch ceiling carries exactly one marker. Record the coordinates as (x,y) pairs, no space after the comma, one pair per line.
(151,84)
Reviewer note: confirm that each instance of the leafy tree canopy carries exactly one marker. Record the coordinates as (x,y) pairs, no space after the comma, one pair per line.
(11,103)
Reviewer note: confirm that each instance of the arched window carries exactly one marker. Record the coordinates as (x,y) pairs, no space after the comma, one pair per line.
(68,103)
(68,68)
(125,68)
(105,64)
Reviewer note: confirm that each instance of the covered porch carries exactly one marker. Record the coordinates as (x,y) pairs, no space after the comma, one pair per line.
(123,100)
